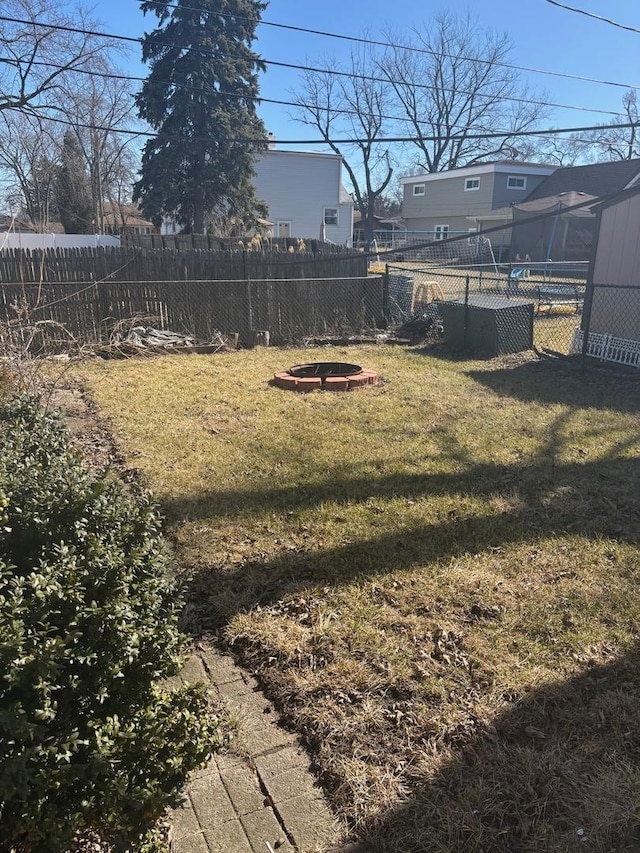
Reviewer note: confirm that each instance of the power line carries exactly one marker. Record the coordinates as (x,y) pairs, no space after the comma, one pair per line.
(413,49)
(261,142)
(314,70)
(591,15)
(260,99)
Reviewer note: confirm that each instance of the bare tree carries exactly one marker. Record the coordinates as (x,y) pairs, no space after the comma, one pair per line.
(36,56)
(454,85)
(350,101)
(617,143)
(100,107)
(28,160)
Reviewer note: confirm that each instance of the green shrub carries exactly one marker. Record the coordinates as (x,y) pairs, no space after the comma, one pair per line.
(88,629)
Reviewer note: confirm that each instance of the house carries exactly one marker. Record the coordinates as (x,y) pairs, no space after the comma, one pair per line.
(442,204)
(126,219)
(613,285)
(304,195)
(387,231)
(564,235)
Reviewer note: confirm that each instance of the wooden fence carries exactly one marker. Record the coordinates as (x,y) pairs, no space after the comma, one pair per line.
(290,309)
(184,242)
(65,266)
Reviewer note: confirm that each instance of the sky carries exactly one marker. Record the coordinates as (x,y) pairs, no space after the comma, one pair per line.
(545,37)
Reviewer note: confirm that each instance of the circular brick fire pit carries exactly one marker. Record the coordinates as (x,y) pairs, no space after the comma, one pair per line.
(325,376)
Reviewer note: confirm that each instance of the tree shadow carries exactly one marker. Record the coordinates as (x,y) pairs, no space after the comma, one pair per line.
(583,499)
(552,763)
(557,770)
(532,478)
(549,382)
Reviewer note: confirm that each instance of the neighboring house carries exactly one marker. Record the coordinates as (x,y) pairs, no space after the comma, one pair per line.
(126,219)
(441,204)
(387,231)
(304,195)
(613,286)
(564,236)
(15,224)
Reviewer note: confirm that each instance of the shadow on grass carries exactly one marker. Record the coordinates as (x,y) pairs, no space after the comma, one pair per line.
(554,383)
(596,499)
(558,770)
(610,478)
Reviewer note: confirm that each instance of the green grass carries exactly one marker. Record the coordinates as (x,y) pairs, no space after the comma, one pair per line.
(436,579)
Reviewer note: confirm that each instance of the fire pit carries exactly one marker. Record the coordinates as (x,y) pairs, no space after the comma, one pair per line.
(326,376)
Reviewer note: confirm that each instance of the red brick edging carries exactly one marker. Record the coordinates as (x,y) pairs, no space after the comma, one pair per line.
(284,379)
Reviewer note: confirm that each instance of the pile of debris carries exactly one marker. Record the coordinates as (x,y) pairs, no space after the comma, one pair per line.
(147,340)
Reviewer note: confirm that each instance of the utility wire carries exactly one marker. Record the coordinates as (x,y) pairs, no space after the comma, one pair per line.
(308,68)
(591,15)
(260,99)
(413,49)
(262,142)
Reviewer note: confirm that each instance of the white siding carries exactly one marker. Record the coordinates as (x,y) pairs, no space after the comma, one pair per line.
(296,186)
(56,241)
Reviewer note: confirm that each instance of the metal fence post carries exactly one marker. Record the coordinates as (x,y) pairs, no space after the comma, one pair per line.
(385,295)
(466,312)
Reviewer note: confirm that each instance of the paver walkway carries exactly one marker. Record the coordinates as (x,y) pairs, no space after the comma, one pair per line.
(260,798)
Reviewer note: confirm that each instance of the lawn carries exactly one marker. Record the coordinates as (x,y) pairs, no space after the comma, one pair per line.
(436,579)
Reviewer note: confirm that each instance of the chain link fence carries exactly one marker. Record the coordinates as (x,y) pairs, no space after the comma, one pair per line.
(555,294)
(55,302)
(286,311)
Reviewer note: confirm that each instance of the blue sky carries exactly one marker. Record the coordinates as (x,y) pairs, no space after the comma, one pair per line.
(544,36)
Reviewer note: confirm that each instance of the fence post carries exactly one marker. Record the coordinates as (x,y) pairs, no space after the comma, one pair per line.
(245,274)
(586,323)
(466,313)
(385,295)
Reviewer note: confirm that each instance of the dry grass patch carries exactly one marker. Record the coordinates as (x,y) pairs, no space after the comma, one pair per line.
(436,579)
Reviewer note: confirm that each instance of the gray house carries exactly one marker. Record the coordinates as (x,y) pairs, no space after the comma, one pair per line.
(304,194)
(446,203)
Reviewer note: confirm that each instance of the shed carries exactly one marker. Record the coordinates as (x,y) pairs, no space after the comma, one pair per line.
(612,300)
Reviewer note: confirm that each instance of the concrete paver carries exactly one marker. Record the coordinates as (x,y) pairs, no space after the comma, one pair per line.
(263,828)
(261,798)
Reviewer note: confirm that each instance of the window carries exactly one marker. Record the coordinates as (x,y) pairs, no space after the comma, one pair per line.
(331,216)
(472,184)
(440,232)
(418,189)
(516,183)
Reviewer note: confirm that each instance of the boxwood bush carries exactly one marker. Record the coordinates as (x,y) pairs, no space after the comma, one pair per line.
(88,631)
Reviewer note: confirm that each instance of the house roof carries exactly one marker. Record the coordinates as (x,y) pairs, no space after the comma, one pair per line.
(12,223)
(127,214)
(503,166)
(15,225)
(596,179)
(621,196)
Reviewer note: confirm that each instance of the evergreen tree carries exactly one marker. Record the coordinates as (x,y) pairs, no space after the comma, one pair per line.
(200,97)
(73,189)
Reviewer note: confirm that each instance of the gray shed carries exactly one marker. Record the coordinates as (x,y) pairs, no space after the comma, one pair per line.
(612,304)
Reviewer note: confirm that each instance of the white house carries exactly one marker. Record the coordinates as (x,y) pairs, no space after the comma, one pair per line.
(304,194)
